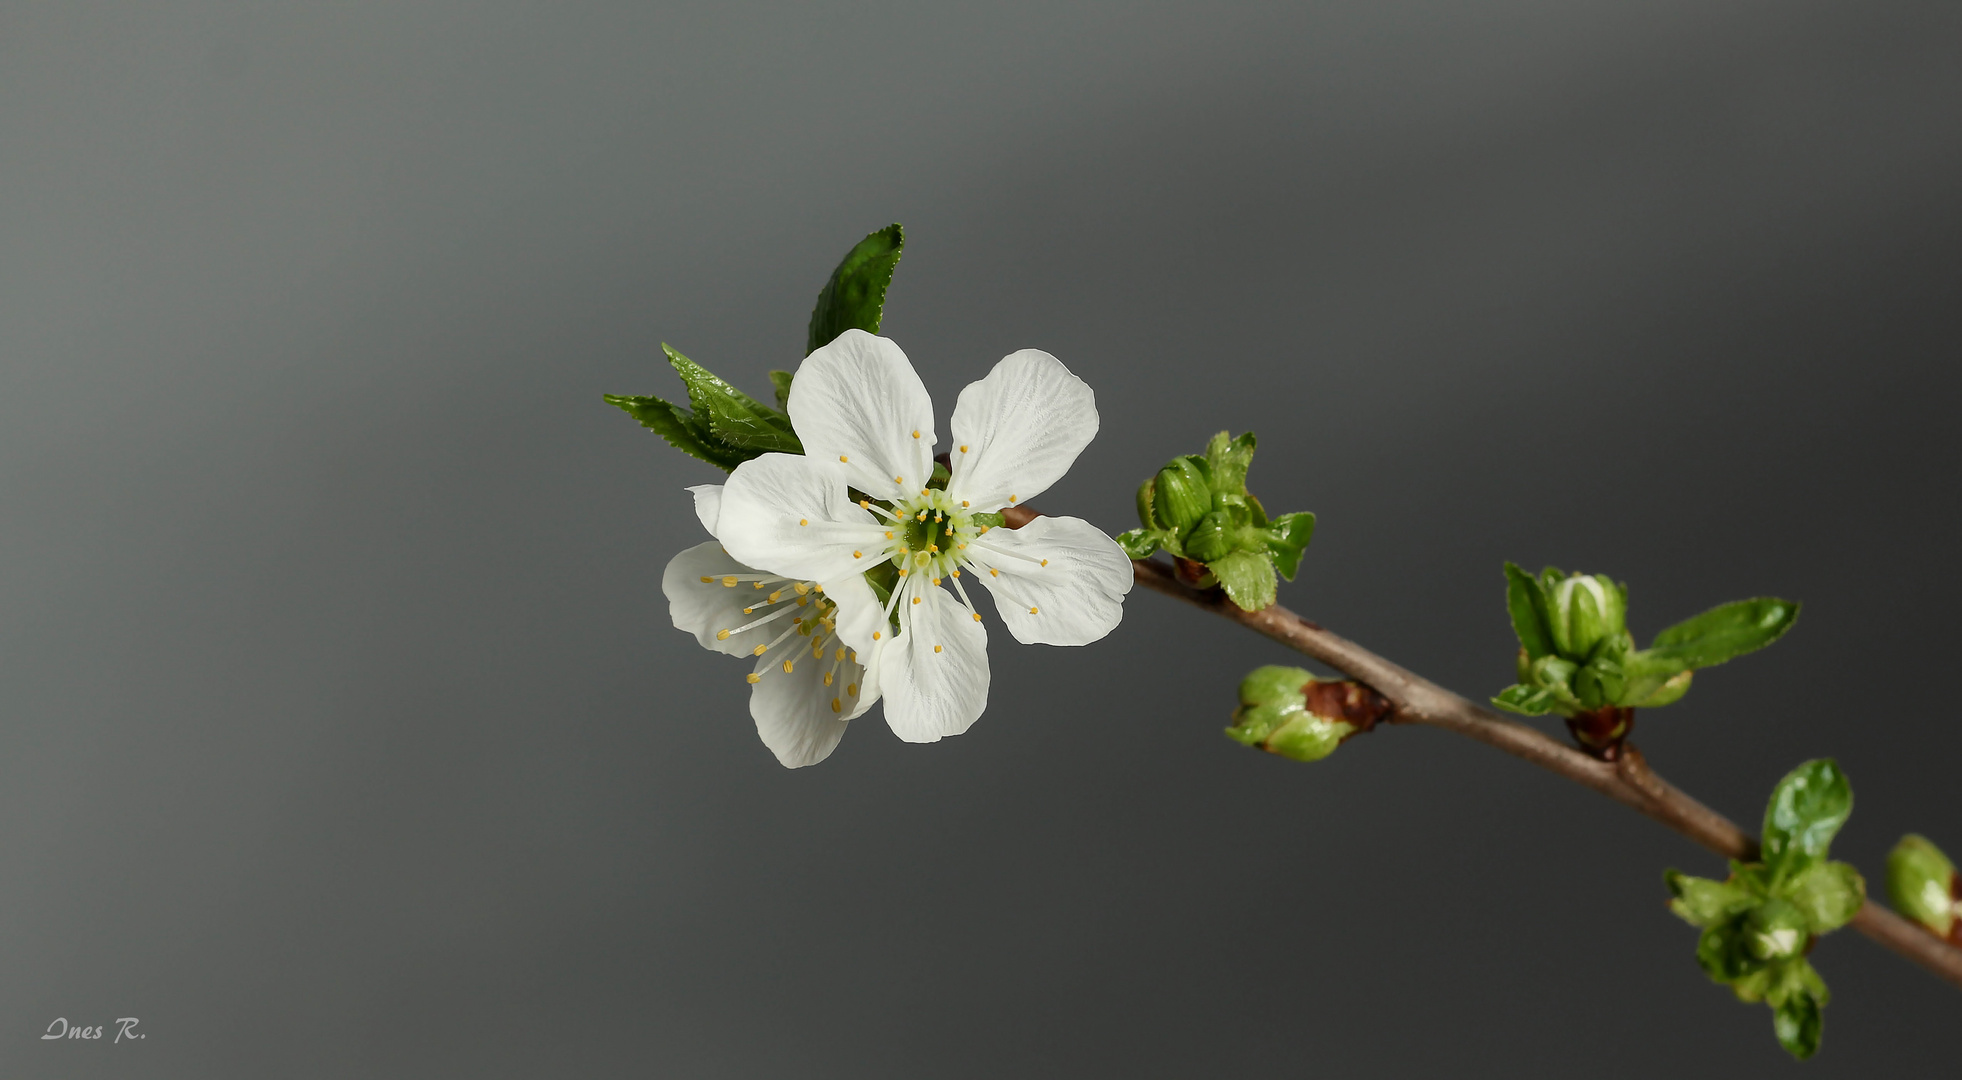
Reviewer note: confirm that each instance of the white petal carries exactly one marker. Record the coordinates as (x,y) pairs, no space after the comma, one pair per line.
(859,610)
(1017,431)
(934,674)
(789,515)
(1078,596)
(793,712)
(859,402)
(704,608)
(708,504)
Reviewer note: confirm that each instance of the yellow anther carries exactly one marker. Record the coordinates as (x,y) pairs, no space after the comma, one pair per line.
(921,517)
(708,581)
(1045,562)
(963,503)
(774,595)
(924,491)
(800,587)
(837,706)
(852,689)
(803,600)
(855,653)
(936,648)
(903,549)
(916,433)
(916,599)
(898,479)
(797,621)
(936,581)
(786,667)
(937,517)
(803,521)
(722,635)
(729,582)
(977,616)
(758,586)
(842,457)
(957,572)
(1032,611)
(888,534)
(817,588)
(753,678)
(759,650)
(841,654)
(749,611)
(962,546)
(876,635)
(933,547)
(984,530)
(992,572)
(858,554)
(865,504)
(1011,498)
(902,571)
(963,449)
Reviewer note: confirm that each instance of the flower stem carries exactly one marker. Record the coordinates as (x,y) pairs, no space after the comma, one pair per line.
(1628,780)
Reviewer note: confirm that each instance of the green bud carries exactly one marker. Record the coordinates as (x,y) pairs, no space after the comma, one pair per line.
(1584,610)
(1599,683)
(1211,539)
(1553,673)
(1145,517)
(1921,882)
(1287,711)
(1184,494)
(1776,930)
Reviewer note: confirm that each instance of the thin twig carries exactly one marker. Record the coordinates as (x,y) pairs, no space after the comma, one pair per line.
(1628,781)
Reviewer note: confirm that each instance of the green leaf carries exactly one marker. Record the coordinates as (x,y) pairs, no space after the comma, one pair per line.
(1230,458)
(1828,894)
(1668,692)
(1646,674)
(1138,543)
(735,418)
(855,297)
(780,380)
(1526,700)
(1526,602)
(1726,631)
(1703,902)
(1798,1024)
(1248,579)
(1806,810)
(1722,952)
(1211,539)
(677,426)
(1287,537)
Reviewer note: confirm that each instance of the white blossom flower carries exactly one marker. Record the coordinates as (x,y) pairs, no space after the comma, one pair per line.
(807,682)
(866,423)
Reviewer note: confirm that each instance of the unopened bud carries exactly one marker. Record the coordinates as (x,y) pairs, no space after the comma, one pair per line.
(1183,495)
(1287,711)
(1145,516)
(1776,930)
(1211,539)
(1922,883)
(1586,609)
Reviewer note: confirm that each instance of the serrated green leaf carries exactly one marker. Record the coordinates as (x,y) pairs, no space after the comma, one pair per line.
(1288,537)
(736,419)
(1798,1023)
(1726,631)
(1645,675)
(855,296)
(1668,693)
(1703,902)
(1526,700)
(1827,893)
(1526,603)
(1138,543)
(1806,810)
(780,381)
(1229,459)
(1248,579)
(677,426)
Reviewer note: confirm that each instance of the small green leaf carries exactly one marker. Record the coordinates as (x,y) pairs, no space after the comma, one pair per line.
(1248,579)
(1806,810)
(1727,631)
(676,425)
(1798,1024)
(780,380)
(855,296)
(738,420)
(1210,540)
(1287,537)
(1722,952)
(1230,459)
(1526,700)
(1146,491)
(1668,692)
(1703,902)
(1526,602)
(1138,543)
(1828,894)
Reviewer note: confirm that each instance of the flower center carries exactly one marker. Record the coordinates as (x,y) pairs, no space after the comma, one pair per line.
(931,533)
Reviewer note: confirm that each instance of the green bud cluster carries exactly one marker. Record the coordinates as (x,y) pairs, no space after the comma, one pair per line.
(1576,655)
(1922,884)
(726,427)
(1274,716)
(1761,922)
(1198,509)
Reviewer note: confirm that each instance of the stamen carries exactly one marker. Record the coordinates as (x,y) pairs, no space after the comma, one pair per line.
(852,689)
(843,458)
(837,706)
(963,449)
(898,479)
(708,581)
(936,648)
(977,616)
(888,534)
(858,554)
(1044,562)
(803,521)
(876,635)
(916,433)
(723,635)
(786,667)
(753,678)
(1032,611)
(827,678)
(729,582)
(936,581)
(1011,498)
(963,504)
(916,599)
(801,588)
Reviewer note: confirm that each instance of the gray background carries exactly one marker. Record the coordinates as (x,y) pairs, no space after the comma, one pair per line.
(344,729)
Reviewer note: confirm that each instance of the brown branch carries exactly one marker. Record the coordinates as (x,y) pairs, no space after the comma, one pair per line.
(1629,781)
